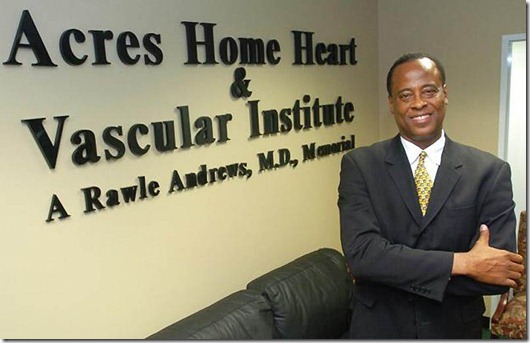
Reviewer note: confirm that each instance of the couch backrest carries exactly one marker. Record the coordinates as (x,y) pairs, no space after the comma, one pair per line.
(243,315)
(309,296)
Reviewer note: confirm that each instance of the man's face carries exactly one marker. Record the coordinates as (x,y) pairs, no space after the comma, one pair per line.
(418,101)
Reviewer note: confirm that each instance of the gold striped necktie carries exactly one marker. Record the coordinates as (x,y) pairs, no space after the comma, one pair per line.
(423,183)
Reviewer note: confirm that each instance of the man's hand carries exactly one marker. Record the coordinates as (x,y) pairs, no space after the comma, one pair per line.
(487,264)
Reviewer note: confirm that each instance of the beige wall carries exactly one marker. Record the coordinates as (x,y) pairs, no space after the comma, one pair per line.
(128,271)
(466,36)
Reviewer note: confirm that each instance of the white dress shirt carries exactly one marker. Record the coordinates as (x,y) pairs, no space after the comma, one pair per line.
(434,155)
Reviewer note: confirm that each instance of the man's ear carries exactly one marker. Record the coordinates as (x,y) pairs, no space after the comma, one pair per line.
(444,89)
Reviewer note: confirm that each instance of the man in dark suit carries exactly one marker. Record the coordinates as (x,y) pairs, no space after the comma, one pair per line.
(423,275)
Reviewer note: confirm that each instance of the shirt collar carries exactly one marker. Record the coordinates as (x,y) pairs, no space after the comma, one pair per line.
(434,151)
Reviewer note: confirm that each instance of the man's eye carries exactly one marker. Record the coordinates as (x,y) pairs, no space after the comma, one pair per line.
(405,96)
(430,92)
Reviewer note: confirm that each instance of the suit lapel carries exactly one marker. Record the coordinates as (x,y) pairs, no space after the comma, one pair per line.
(399,169)
(446,179)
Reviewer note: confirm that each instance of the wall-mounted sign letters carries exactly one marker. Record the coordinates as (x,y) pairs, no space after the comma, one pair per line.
(87,147)
(148,48)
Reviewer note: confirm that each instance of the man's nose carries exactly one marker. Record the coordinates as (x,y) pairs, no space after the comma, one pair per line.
(418,102)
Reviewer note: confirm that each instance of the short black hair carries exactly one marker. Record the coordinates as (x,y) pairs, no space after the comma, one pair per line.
(412,57)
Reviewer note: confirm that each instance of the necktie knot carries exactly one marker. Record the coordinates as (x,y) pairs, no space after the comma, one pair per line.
(423,183)
(423,154)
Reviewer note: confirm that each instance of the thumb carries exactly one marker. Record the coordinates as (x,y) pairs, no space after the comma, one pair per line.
(484,234)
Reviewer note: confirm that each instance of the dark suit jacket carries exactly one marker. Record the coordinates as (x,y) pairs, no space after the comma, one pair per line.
(402,261)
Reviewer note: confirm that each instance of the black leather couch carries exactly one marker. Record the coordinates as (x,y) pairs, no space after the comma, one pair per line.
(308,298)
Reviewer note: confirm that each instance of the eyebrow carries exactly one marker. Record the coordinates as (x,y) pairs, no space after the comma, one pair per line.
(422,87)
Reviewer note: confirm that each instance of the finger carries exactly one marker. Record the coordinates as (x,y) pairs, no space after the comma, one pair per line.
(508,282)
(514,275)
(512,284)
(517,268)
(516,258)
(484,234)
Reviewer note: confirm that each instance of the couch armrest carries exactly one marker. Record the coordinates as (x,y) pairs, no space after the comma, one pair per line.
(310,296)
(500,308)
(243,315)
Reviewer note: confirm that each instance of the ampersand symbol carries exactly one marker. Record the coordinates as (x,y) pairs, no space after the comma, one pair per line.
(239,87)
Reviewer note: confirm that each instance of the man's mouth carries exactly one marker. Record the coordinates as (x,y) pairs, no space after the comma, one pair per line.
(420,116)
(421,119)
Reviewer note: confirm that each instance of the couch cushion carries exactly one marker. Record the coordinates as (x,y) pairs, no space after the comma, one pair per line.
(512,323)
(242,315)
(309,296)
